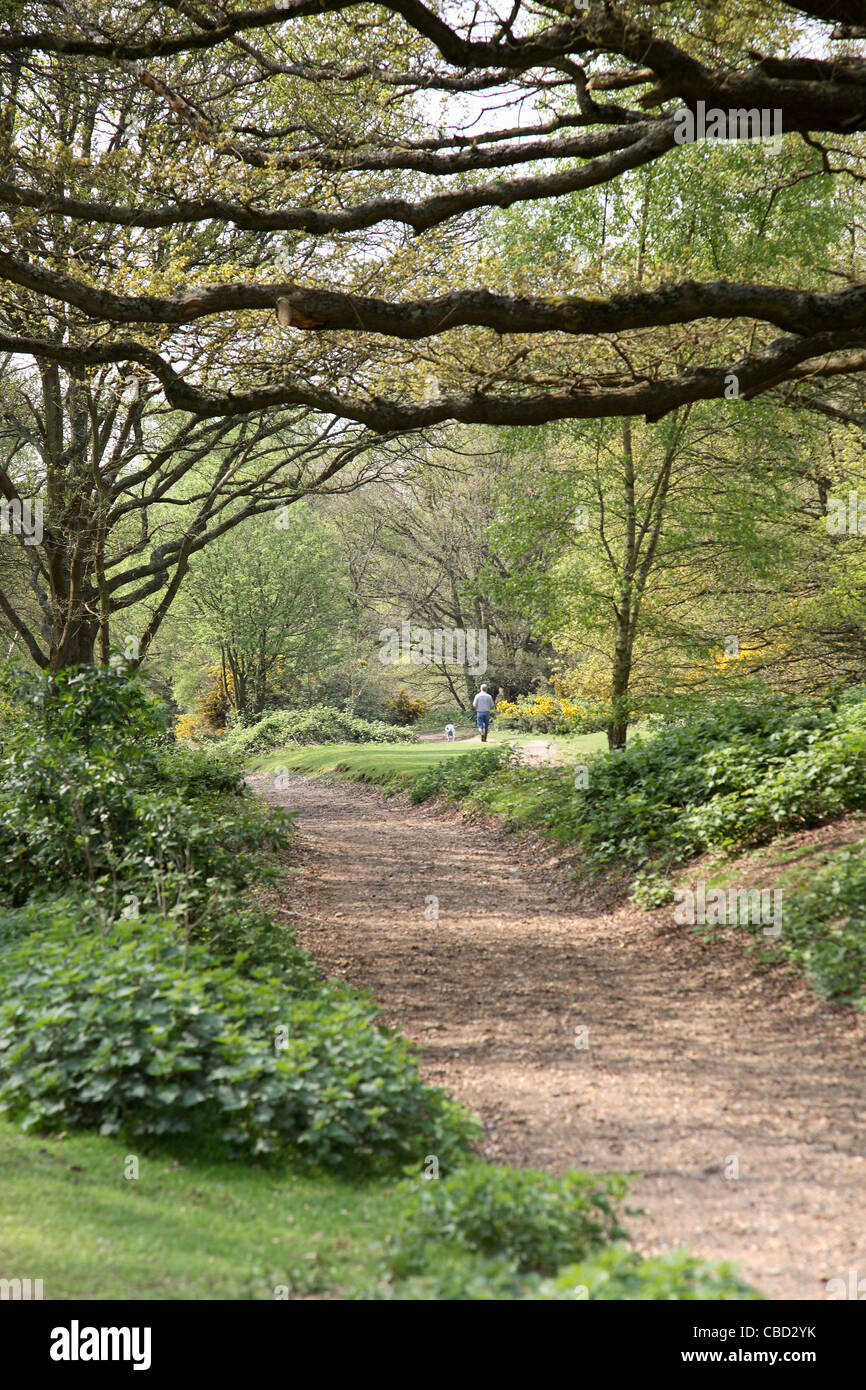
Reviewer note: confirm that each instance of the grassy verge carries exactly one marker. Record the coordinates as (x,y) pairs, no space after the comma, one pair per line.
(186,1228)
(189,1228)
(397,767)
(573,744)
(388,766)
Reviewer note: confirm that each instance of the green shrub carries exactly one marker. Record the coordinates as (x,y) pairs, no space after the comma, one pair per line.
(406,709)
(104,708)
(110,804)
(615,1274)
(448,1277)
(182,858)
(19,922)
(193,772)
(147,1000)
(115,1035)
(822,778)
(496,1233)
(68,774)
(532,1218)
(552,714)
(455,778)
(735,777)
(620,1275)
(318,724)
(651,889)
(824,928)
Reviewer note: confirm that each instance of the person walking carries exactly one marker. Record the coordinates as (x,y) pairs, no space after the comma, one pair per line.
(483,705)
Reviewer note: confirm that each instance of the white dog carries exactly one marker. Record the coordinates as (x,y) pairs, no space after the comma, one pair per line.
(450,732)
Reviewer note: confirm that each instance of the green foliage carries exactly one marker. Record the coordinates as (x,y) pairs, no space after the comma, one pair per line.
(458,776)
(494,1233)
(736,776)
(532,1218)
(67,774)
(113,1033)
(615,1274)
(824,928)
(620,1275)
(181,857)
(651,889)
(448,1277)
(318,724)
(91,706)
(821,775)
(194,772)
(154,1000)
(549,714)
(91,791)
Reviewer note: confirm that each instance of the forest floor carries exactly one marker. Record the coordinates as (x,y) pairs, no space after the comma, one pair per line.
(734,1096)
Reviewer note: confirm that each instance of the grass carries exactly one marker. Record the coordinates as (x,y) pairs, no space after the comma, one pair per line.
(568,743)
(388,765)
(184,1229)
(394,766)
(191,1229)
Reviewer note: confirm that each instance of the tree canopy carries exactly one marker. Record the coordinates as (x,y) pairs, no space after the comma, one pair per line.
(287,198)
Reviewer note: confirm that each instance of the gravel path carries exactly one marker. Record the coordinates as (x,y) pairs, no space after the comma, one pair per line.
(692,1068)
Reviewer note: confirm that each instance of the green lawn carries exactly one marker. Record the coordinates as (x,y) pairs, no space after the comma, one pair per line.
(393,766)
(569,743)
(186,1228)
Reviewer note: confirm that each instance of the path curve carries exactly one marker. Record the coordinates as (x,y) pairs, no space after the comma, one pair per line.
(695,1067)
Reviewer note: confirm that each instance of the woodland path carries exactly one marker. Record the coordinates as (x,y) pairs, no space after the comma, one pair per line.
(693,1059)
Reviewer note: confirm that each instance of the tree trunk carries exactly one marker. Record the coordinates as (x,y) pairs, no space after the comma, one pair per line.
(75,645)
(617,729)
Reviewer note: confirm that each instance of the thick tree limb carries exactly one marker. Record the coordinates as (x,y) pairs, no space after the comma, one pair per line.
(755,373)
(796,311)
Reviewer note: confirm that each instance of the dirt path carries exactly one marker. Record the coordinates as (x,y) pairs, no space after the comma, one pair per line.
(694,1067)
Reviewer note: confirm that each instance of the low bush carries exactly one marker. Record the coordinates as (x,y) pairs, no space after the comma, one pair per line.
(823,777)
(68,775)
(318,724)
(457,777)
(531,1218)
(824,928)
(551,714)
(613,1275)
(114,806)
(651,889)
(616,1274)
(449,1278)
(182,857)
(193,772)
(495,1233)
(113,1033)
(619,1275)
(406,709)
(735,777)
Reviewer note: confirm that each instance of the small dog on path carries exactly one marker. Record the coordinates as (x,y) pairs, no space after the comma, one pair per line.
(450,732)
